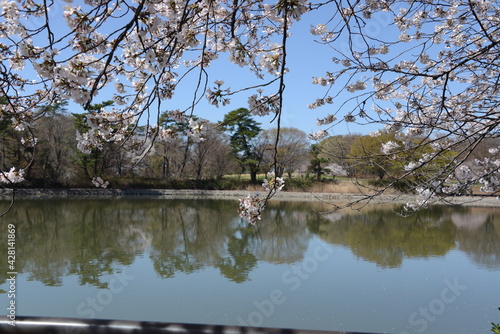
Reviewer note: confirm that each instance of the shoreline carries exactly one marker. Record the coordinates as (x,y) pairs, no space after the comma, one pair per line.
(339,198)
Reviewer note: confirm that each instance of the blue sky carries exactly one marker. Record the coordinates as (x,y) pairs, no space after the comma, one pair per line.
(306,59)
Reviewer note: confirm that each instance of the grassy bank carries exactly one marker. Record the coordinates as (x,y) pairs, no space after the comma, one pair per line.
(242,182)
(229,182)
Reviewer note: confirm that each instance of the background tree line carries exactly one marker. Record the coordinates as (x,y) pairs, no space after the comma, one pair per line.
(237,145)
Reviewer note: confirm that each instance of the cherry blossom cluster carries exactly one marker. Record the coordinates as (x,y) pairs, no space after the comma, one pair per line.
(105,126)
(166,135)
(328,119)
(218,95)
(322,31)
(12,176)
(433,74)
(197,129)
(318,135)
(320,102)
(490,181)
(23,111)
(261,105)
(138,48)
(388,147)
(140,51)
(273,183)
(29,142)
(425,195)
(251,207)
(99,182)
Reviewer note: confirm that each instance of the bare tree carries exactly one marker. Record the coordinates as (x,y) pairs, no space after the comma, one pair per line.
(204,154)
(167,157)
(56,149)
(291,153)
(221,160)
(337,149)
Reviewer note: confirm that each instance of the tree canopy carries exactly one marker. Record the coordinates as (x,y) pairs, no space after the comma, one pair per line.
(244,129)
(416,68)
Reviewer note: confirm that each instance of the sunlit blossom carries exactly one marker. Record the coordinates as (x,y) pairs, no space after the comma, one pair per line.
(318,135)
(251,207)
(99,182)
(388,147)
(12,176)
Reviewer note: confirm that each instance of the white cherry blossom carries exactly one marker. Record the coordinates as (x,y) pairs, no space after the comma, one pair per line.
(12,176)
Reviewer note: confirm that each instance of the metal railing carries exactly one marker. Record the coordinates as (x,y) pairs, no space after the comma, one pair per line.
(36,325)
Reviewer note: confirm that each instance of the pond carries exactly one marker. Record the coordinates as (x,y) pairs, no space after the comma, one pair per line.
(195,261)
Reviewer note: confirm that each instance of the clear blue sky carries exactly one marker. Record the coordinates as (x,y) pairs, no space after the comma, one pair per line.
(305,59)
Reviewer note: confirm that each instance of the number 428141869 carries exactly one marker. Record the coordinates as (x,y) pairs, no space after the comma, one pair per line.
(11,242)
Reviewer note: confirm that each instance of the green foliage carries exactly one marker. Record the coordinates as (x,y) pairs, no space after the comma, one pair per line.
(495,327)
(367,157)
(99,106)
(387,240)
(300,183)
(402,185)
(56,108)
(92,164)
(5,123)
(243,128)
(315,164)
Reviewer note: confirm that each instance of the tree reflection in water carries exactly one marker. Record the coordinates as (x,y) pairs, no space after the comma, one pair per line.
(93,238)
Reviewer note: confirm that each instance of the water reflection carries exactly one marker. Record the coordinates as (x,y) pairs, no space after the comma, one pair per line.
(386,238)
(478,236)
(91,238)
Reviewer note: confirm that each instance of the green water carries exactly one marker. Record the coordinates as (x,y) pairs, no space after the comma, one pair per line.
(195,261)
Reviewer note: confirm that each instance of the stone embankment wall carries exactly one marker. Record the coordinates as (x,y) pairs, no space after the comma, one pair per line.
(337,198)
(183,193)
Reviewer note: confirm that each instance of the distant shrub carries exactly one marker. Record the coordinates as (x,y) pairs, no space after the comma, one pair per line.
(300,184)
(399,185)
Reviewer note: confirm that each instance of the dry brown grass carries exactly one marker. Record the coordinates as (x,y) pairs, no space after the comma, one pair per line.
(349,187)
(339,186)
(254,187)
(344,187)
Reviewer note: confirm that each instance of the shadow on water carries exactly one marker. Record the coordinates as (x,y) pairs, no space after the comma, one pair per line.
(92,238)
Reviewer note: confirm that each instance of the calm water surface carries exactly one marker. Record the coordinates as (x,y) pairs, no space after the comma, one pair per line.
(195,261)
